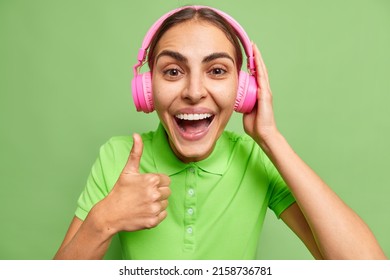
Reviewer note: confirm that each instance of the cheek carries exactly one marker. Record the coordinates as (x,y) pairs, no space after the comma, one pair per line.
(162,96)
(226,95)
(158,101)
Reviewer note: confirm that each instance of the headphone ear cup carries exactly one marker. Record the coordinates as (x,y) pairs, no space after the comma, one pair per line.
(246,93)
(142,92)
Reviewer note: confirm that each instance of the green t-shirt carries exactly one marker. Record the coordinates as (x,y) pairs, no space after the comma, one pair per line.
(216,208)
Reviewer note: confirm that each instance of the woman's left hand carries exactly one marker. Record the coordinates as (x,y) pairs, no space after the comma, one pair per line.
(260,123)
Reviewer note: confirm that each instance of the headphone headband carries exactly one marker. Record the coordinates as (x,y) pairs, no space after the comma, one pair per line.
(244,39)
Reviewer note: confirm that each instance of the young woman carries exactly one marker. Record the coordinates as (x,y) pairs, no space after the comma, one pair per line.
(190,189)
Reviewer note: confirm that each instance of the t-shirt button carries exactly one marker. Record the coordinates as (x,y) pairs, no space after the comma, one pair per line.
(191,170)
(189,230)
(190,211)
(191,192)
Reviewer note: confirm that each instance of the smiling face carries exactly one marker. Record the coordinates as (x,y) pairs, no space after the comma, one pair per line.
(194,81)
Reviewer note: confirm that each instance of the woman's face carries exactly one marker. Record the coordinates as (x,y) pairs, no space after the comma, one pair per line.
(194,83)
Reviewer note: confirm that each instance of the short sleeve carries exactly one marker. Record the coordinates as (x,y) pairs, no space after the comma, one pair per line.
(103,175)
(280,195)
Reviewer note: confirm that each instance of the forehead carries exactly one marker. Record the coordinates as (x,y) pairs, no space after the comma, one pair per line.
(195,37)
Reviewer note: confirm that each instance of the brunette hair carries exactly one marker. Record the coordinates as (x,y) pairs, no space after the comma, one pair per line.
(204,14)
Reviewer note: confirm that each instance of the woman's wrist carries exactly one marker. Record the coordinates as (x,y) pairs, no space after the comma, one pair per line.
(269,141)
(100,225)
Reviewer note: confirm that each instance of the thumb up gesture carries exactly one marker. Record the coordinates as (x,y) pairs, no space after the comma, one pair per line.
(137,201)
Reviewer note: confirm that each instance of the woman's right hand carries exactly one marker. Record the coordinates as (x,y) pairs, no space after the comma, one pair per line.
(137,201)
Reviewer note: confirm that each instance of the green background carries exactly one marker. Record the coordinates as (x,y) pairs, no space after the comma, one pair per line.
(65,70)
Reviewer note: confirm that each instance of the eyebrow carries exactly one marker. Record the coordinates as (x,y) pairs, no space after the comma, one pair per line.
(175,55)
(217,55)
(181,58)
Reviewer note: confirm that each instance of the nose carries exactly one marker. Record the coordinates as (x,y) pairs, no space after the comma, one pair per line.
(195,89)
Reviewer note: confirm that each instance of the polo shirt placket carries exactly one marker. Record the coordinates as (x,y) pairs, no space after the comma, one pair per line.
(190,208)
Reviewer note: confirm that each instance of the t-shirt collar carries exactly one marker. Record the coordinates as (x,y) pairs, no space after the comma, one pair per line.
(166,161)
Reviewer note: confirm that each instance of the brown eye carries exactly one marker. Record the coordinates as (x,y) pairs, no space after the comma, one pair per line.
(217,71)
(172,72)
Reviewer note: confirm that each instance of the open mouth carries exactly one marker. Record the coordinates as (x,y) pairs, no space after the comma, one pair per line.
(193,124)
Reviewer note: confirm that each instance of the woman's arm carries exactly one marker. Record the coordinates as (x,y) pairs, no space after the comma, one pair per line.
(296,221)
(337,230)
(84,240)
(340,233)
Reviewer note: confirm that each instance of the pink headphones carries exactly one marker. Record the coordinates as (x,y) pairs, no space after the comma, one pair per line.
(247,85)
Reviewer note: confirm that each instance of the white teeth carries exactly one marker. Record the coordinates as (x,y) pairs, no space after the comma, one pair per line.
(193,117)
